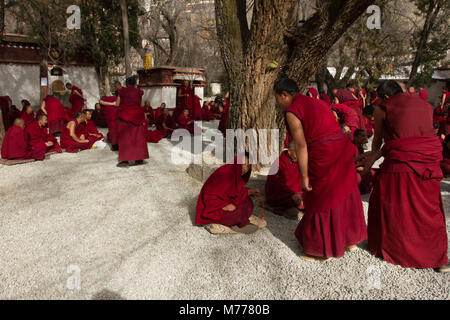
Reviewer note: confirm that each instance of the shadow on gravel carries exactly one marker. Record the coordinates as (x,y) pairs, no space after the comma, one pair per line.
(107,295)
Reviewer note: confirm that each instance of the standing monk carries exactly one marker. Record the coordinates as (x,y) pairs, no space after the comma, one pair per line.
(131,126)
(76,99)
(406,215)
(186,96)
(55,112)
(111,114)
(39,138)
(334,218)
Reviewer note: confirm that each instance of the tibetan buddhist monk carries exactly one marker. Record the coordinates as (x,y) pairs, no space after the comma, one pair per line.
(334,219)
(325,98)
(158,111)
(206,112)
(225,199)
(284,185)
(117,86)
(55,112)
(185,121)
(149,113)
(423,94)
(165,124)
(369,120)
(15,146)
(39,138)
(76,99)
(99,117)
(111,114)
(347,116)
(72,137)
(89,128)
(27,115)
(186,99)
(14,114)
(365,179)
(197,109)
(131,125)
(406,217)
(412,91)
(312,92)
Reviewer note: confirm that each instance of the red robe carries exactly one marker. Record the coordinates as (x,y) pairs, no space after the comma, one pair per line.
(206,113)
(13,116)
(183,123)
(111,116)
(89,129)
(325,98)
(223,124)
(99,119)
(314,93)
(168,121)
(39,136)
(348,116)
(28,118)
(56,114)
(76,101)
(406,216)
(187,102)
(334,217)
(151,115)
(132,128)
(158,113)
(197,109)
(71,145)
(15,147)
(225,186)
(4,109)
(423,94)
(282,185)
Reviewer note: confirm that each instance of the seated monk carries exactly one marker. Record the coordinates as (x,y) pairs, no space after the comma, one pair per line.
(206,112)
(98,116)
(225,199)
(158,111)
(72,137)
(165,124)
(27,115)
(149,113)
(90,130)
(284,185)
(39,138)
(15,147)
(185,121)
(14,114)
(365,179)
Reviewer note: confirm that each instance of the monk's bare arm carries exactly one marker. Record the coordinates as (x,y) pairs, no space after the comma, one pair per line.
(117,102)
(105,103)
(44,110)
(301,148)
(444,98)
(71,127)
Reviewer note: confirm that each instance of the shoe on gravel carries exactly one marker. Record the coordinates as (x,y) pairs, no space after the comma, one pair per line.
(248,229)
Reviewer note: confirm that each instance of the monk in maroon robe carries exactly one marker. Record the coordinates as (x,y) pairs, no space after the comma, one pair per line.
(159,112)
(55,112)
(284,185)
(99,117)
(197,109)
(406,216)
(334,218)
(165,124)
(369,120)
(5,105)
(111,114)
(90,130)
(347,116)
(15,146)
(149,113)
(325,98)
(223,124)
(131,125)
(186,99)
(206,112)
(185,121)
(39,138)
(225,199)
(27,115)
(423,94)
(365,180)
(73,138)
(14,114)
(76,99)
(312,92)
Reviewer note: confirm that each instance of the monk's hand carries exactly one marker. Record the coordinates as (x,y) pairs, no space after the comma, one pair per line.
(365,162)
(230,207)
(305,184)
(254,192)
(49,144)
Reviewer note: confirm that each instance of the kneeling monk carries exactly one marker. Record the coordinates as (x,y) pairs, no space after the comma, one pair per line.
(334,218)
(72,137)
(284,187)
(39,138)
(15,147)
(225,200)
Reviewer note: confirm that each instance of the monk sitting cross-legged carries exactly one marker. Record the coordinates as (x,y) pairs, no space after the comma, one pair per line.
(90,130)
(284,188)
(185,121)
(72,137)
(39,138)
(224,198)
(14,146)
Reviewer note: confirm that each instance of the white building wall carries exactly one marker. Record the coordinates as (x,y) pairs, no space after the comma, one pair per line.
(200,92)
(20,81)
(158,95)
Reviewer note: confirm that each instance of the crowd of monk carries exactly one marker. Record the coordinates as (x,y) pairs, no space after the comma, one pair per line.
(321,174)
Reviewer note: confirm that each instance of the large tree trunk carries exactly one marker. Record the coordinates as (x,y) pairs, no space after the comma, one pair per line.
(126,37)
(275,35)
(2,18)
(433,10)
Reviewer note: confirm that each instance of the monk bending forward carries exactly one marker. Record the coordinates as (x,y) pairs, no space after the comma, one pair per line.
(334,218)
(225,200)
(406,216)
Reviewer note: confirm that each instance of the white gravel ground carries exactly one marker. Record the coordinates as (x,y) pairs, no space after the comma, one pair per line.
(129,234)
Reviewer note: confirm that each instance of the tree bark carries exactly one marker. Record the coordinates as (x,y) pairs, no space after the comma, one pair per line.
(2,18)
(126,37)
(275,35)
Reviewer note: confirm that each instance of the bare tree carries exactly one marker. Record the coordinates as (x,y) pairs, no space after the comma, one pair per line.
(126,37)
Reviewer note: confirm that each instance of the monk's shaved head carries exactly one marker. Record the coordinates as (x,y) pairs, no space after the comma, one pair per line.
(19,122)
(41,116)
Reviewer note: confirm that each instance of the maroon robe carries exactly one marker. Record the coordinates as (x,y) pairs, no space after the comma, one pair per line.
(89,129)
(282,185)
(223,124)
(28,118)
(206,113)
(347,116)
(111,115)
(99,119)
(168,121)
(76,101)
(13,116)
(132,128)
(225,186)
(15,147)
(151,115)
(423,94)
(187,102)
(183,123)
(56,114)
(39,136)
(314,93)
(334,217)
(325,98)
(406,216)
(71,145)
(197,109)
(4,109)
